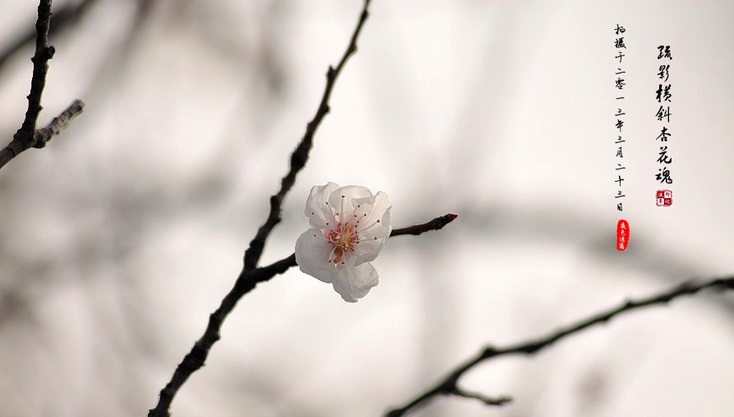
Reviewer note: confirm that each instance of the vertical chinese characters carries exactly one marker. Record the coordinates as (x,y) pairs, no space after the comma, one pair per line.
(663,97)
(619,84)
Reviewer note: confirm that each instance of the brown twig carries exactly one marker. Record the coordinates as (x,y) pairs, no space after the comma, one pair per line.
(435,224)
(27,136)
(43,135)
(449,385)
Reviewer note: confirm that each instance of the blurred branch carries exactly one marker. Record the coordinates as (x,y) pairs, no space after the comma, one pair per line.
(27,136)
(449,385)
(43,135)
(251,275)
(63,19)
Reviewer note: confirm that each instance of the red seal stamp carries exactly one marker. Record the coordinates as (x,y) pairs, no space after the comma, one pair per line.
(664,198)
(623,235)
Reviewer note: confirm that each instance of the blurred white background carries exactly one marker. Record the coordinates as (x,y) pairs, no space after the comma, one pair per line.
(120,237)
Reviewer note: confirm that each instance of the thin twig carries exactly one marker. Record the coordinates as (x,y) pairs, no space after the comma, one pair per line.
(436,224)
(498,401)
(27,136)
(43,135)
(251,275)
(449,385)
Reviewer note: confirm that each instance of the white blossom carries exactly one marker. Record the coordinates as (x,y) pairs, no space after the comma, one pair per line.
(348,228)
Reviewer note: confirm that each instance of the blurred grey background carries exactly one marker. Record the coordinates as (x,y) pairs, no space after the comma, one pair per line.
(120,237)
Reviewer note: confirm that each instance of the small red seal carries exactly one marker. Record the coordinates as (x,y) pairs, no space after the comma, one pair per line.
(664,198)
(623,234)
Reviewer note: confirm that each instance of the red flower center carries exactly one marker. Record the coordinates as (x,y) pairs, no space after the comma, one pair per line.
(343,239)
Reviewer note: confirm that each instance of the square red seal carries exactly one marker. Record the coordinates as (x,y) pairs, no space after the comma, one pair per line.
(664,198)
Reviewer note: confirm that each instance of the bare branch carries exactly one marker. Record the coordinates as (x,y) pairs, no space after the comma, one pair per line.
(27,136)
(246,282)
(251,275)
(449,385)
(300,155)
(284,264)
(43,135)
(498,401)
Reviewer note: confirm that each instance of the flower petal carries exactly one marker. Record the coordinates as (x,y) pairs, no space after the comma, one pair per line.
(366,251)
(354,283)
(373,228)
(341,200)
(378,218)
(318,212)
(312,255)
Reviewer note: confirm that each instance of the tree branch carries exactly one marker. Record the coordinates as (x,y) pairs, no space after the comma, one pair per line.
(27,136)
(43,135)
(300,155)
(251,275)
(436,224)
(246,282)
(449,385)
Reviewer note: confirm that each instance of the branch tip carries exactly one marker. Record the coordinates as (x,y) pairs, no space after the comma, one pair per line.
(436,224)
